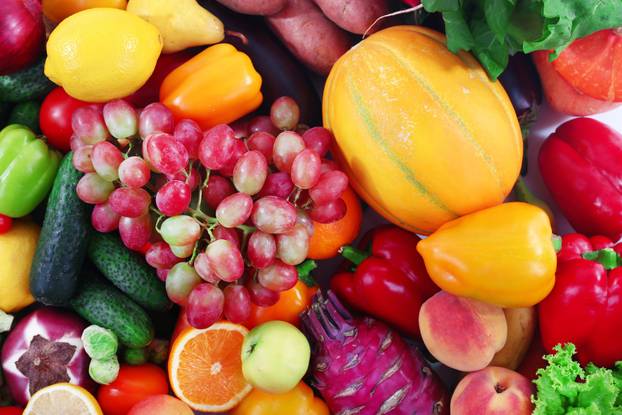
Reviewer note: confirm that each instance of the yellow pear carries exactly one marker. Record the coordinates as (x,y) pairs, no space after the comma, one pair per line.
(182,23)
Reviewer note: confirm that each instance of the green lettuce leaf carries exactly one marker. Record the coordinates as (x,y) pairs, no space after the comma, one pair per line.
(494,29)
(564,387)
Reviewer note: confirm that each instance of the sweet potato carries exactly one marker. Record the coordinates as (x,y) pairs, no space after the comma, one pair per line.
(258,7)
(309,35)
(355,16)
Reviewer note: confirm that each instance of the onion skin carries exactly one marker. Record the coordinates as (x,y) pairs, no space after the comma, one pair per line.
(54,325)
(22,34)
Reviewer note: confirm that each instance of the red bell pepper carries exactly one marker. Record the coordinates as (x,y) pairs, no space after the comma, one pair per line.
(580,164)
(150,92)
(389,283)
(584,307)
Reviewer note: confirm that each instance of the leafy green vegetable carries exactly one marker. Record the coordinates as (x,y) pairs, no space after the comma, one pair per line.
(564,387)
(494,29)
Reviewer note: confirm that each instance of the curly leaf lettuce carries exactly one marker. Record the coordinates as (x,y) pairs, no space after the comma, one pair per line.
(494,29)
(564,387)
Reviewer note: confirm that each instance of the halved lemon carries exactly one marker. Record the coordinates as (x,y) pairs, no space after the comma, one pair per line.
(205,367)
(62,399)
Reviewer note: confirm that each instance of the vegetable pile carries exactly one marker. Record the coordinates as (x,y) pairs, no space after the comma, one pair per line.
(282,207)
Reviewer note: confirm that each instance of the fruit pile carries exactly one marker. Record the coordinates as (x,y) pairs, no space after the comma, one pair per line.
(206,208)
(171,178)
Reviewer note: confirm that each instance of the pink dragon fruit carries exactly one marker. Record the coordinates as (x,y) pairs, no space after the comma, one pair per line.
(362,367)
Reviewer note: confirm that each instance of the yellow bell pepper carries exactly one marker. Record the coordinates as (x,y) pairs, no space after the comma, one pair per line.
(219,85)
(298,401)
(502,255)
(17,249)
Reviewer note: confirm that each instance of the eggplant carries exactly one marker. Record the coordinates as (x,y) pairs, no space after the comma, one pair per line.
(522,84)
(281,73)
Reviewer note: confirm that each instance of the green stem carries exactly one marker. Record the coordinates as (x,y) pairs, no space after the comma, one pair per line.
(304,272)
(197,213)
(352,254)
(203,185)
(607,257)
(557,243)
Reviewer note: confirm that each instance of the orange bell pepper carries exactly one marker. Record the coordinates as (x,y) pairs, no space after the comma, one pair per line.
(291,303)
(298,401)
(219,85)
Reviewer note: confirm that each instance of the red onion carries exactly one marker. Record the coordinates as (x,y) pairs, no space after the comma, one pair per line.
(22,34)
(45,348)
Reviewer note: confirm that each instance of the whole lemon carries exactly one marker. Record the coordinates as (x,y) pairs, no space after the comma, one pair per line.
(101,54)
(17,249)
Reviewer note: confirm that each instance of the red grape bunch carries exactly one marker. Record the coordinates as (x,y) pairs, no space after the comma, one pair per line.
(223,215)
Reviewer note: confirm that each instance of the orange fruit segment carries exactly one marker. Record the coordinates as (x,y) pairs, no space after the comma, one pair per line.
(327,238)
(205,367)
(62,399)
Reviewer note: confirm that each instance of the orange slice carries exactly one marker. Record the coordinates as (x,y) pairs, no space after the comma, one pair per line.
(62,399)
(205,367)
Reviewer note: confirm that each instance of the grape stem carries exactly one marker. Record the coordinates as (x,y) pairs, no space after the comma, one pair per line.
(203,186)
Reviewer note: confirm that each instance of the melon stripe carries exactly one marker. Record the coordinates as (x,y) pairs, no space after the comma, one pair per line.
(377,205)
(449,112)
(406,171)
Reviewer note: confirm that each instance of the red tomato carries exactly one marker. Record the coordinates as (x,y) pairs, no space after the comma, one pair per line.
(10,410)
(55,118)
(593,65)
(133,384)
(5,224)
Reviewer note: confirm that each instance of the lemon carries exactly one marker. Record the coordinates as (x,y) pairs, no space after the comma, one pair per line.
(63,399)
(17,249)
(101,54)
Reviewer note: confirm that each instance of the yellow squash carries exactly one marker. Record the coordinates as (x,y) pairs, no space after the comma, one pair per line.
(502,255)
(182,23)
(422,133)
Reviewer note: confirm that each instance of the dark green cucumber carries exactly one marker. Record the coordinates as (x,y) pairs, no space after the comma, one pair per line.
(26,113)
(25,85)
(128,271)
(100,303)
(5,111)
(63,242)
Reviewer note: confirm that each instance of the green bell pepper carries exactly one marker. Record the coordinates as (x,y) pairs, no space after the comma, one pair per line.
(27,170)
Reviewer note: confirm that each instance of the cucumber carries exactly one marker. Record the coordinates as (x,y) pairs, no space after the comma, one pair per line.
(26,113)
(63,242)
(100,303)
(25,85)
(128,271)
(5,111)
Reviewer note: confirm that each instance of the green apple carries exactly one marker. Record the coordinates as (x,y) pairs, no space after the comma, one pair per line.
(275,356)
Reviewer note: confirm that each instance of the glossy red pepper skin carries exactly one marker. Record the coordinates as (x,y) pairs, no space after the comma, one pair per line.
(390,284)
(585,306)
(150,92)
(580,164)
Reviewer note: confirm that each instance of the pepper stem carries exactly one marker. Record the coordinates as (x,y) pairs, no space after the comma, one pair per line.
(352,254)
(557,242)
(304,272)
(607,257)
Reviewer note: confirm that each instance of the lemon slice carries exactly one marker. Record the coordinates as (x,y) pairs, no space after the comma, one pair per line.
(62,399)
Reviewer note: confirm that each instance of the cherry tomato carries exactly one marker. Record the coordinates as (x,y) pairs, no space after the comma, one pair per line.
(133,384)
(5,223)
(55,118)
(10,410)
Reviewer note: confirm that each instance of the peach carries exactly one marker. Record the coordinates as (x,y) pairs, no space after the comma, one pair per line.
(492,391)
(521,328)
(161,405)
(462,333)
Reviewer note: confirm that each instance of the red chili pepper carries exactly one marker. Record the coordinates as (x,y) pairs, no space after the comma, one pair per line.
(584,307)
(580,164)
(391,283)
